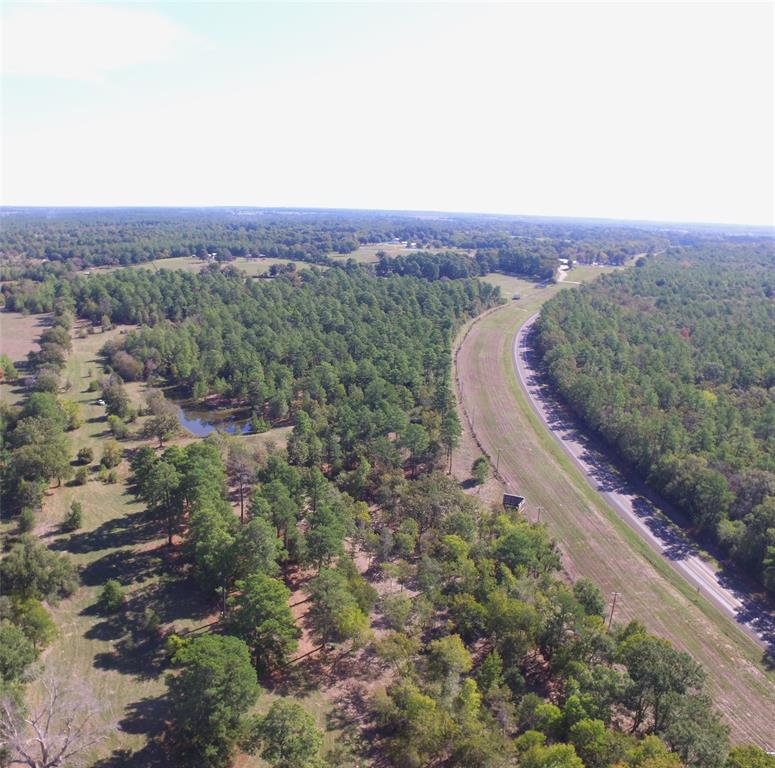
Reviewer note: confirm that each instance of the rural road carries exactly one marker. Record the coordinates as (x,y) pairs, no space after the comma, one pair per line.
(629,500)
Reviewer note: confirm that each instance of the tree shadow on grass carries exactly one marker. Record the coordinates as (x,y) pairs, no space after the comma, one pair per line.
(128,530)
(127,566)
(144,717)
(137,631)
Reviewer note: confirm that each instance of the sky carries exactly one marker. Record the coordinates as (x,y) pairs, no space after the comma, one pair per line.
(657,111)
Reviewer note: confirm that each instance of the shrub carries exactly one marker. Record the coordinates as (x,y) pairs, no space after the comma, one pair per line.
(396,609)
(73,517)
(111,454)
(85,456)
(480,470)
(111,597)
(259,425)
(118,427)
(26,520)
(81,476)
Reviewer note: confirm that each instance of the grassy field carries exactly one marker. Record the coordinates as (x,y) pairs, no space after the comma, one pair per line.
(18,336)
(122,663)
(595,543)
(367,254)
(253,267)
(19,333)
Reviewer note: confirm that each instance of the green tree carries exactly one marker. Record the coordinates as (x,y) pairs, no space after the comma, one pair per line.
(695,732)
(260,615)
(592,742)
(334,613)
(397,608)
(450,433)
(590,597)
(42,450)
(258,548)
(212,540)
(480,470)
(7,368)
(490,673)
(420,727)
(749,756)
(448,659)
(73,519)
(31,570)
(160,489)
(111,454)
(216,685)
(288,736)
(16,652)
(328,525)
(415,439)
(658,673)
(35,621)
(111,598)
(163,426)
(554,756)
(72,412)
(118,427)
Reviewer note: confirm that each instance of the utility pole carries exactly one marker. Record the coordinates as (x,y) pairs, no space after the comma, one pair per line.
(540,509)
(613,608)
(498,461)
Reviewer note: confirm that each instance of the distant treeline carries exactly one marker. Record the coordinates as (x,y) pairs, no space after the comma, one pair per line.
(534,261)
(132,236)
(673,365)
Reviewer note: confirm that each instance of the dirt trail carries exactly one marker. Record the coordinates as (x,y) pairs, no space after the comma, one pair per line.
(593,544)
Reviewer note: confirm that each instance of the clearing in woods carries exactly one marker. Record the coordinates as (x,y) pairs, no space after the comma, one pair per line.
(252,267)
(18,336)
(595,543)
(367,254)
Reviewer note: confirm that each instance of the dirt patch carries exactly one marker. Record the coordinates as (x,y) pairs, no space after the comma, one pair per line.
(19,333)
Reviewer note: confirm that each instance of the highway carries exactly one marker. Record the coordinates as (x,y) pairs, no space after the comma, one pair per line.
(642,511)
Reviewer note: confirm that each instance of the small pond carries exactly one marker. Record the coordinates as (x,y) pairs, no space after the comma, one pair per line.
(204,422)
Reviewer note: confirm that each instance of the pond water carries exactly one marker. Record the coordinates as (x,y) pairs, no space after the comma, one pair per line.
(203,422)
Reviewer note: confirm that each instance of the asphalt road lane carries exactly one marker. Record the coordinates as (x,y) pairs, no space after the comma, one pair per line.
(639,509)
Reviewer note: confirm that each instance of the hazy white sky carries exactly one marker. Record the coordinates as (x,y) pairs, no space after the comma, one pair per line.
(647,111)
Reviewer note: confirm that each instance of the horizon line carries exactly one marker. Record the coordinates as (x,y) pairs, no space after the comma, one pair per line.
(414,211)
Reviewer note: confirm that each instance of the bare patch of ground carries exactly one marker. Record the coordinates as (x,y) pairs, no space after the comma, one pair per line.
(19,333)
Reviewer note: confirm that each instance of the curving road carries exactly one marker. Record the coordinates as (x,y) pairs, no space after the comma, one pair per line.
(639,509)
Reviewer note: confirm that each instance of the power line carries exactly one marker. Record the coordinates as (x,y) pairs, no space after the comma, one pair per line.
(613,608)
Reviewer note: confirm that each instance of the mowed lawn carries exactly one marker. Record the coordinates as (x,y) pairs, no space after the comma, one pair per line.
(253,266)
(533,293)
(367,254)
(18,336)
(120,661)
